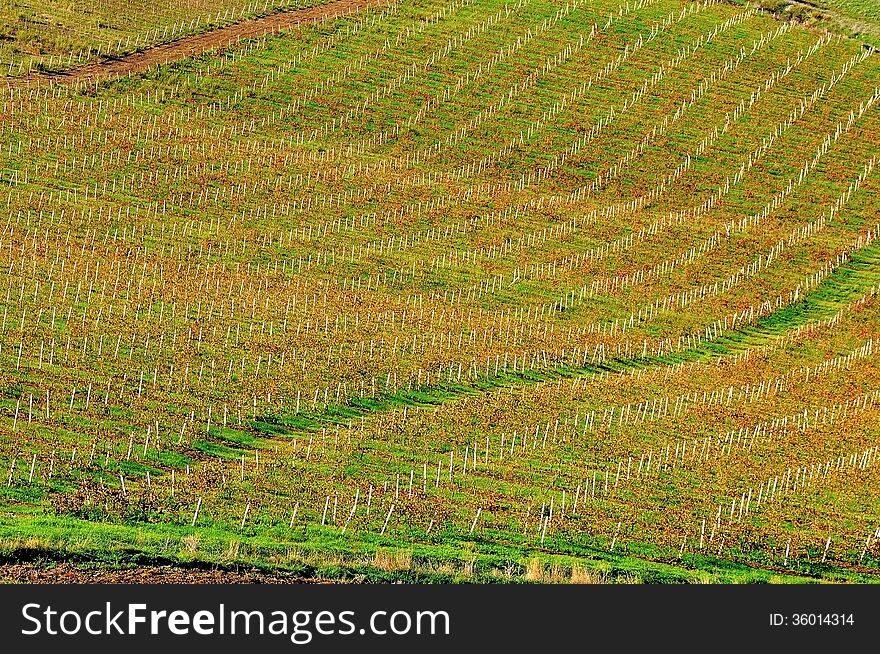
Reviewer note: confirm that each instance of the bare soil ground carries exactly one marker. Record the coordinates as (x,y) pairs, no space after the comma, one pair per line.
(196,44)
(72,573)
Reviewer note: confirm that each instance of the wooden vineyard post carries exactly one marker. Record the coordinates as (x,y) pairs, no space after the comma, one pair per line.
(196,514)
(11,472)
(614,540)
(324,515)
(353,509)
(387,518)
(545,520)
(474,524)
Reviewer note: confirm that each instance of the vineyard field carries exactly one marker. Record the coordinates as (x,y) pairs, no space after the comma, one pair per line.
(443,291)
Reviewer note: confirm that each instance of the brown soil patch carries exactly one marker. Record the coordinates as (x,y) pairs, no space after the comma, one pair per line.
(196,44)
(71,573)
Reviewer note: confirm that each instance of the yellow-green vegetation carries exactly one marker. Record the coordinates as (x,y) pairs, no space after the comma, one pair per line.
(535,290)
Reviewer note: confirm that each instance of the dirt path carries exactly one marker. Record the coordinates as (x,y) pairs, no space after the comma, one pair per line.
(70,573)
(196,44)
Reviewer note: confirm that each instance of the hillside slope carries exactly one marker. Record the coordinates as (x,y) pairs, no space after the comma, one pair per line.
(447,290)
